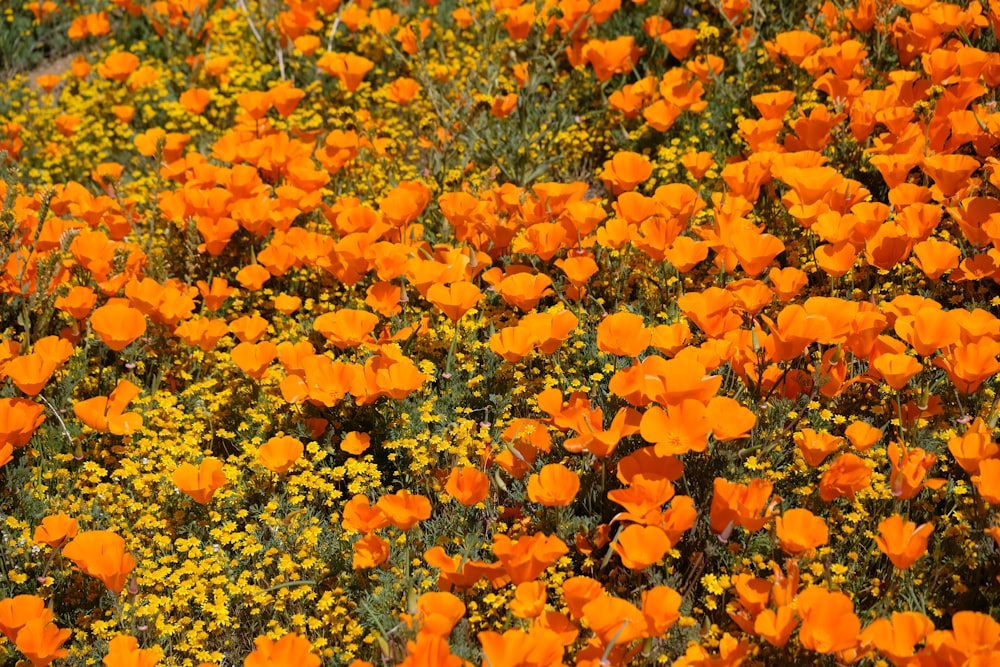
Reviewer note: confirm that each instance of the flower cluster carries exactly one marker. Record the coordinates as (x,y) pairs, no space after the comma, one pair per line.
(518,333)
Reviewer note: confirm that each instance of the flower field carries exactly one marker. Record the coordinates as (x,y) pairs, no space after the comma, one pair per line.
(513,333)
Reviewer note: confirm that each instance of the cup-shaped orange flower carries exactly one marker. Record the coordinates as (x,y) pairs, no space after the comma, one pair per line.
(289,650)
(902,541)
(118,66)
(896,638)
(19,418)
(799,530)
(118,324)
(896,369)
(909,470)
(405,509)
(973,447)
(624,334)
(347,328)
(202,482)
(280,453)
(527,558)
(254,358)
(816,446)
(41,640)
(18,610)
(862,435)
(101,554)
(454,299)
(614,620)
(30,372)
(438,612)
(554,485)
(370,551)
(56,529)
(829,623)
(124,651)
(625,171)
(641,546)
(362,516)
(847,475)
(107,413)
(740,505)
(468,485)
(988,481)
(538,647)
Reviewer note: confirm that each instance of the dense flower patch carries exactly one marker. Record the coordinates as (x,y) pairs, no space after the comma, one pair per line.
(512,333)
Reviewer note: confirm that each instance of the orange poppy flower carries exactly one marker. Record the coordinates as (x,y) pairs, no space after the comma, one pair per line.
(527,558)
(249,328)
(107,413)
(355,443)
(118,66)
(124,651)
(614,621)
(909,470)
(529,600)
(254,358)
(56,529)
(289,650)
(19,418)
(951,172)
(624,334)
(30,372)
(896,369)
(405,509)
(610,57)
(973,447)
(347,328)
(468,485)
(118,324)
(78,302)
(369,552)
(18,610)
(524,290)
(40,640)
(902,541)
(682,428)
(988,481)
(847,475)
(755,250)
(776,626)
(280,453)
(799,530)
(815,447)
(202,482)
(101,554)
(730,419)
(216,293)
(455,299)
(641,546)
(734,504)
(252,277)
(538,647)
(578,270)
(625,171)
(862,435)
(829,623)
(359,515)
(554,486)
(202,332)
(969,365)
(897,638)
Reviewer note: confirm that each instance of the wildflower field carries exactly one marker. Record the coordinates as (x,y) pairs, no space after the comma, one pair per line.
(513,333)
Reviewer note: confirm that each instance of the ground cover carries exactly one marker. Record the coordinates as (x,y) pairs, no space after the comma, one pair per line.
(502,333)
